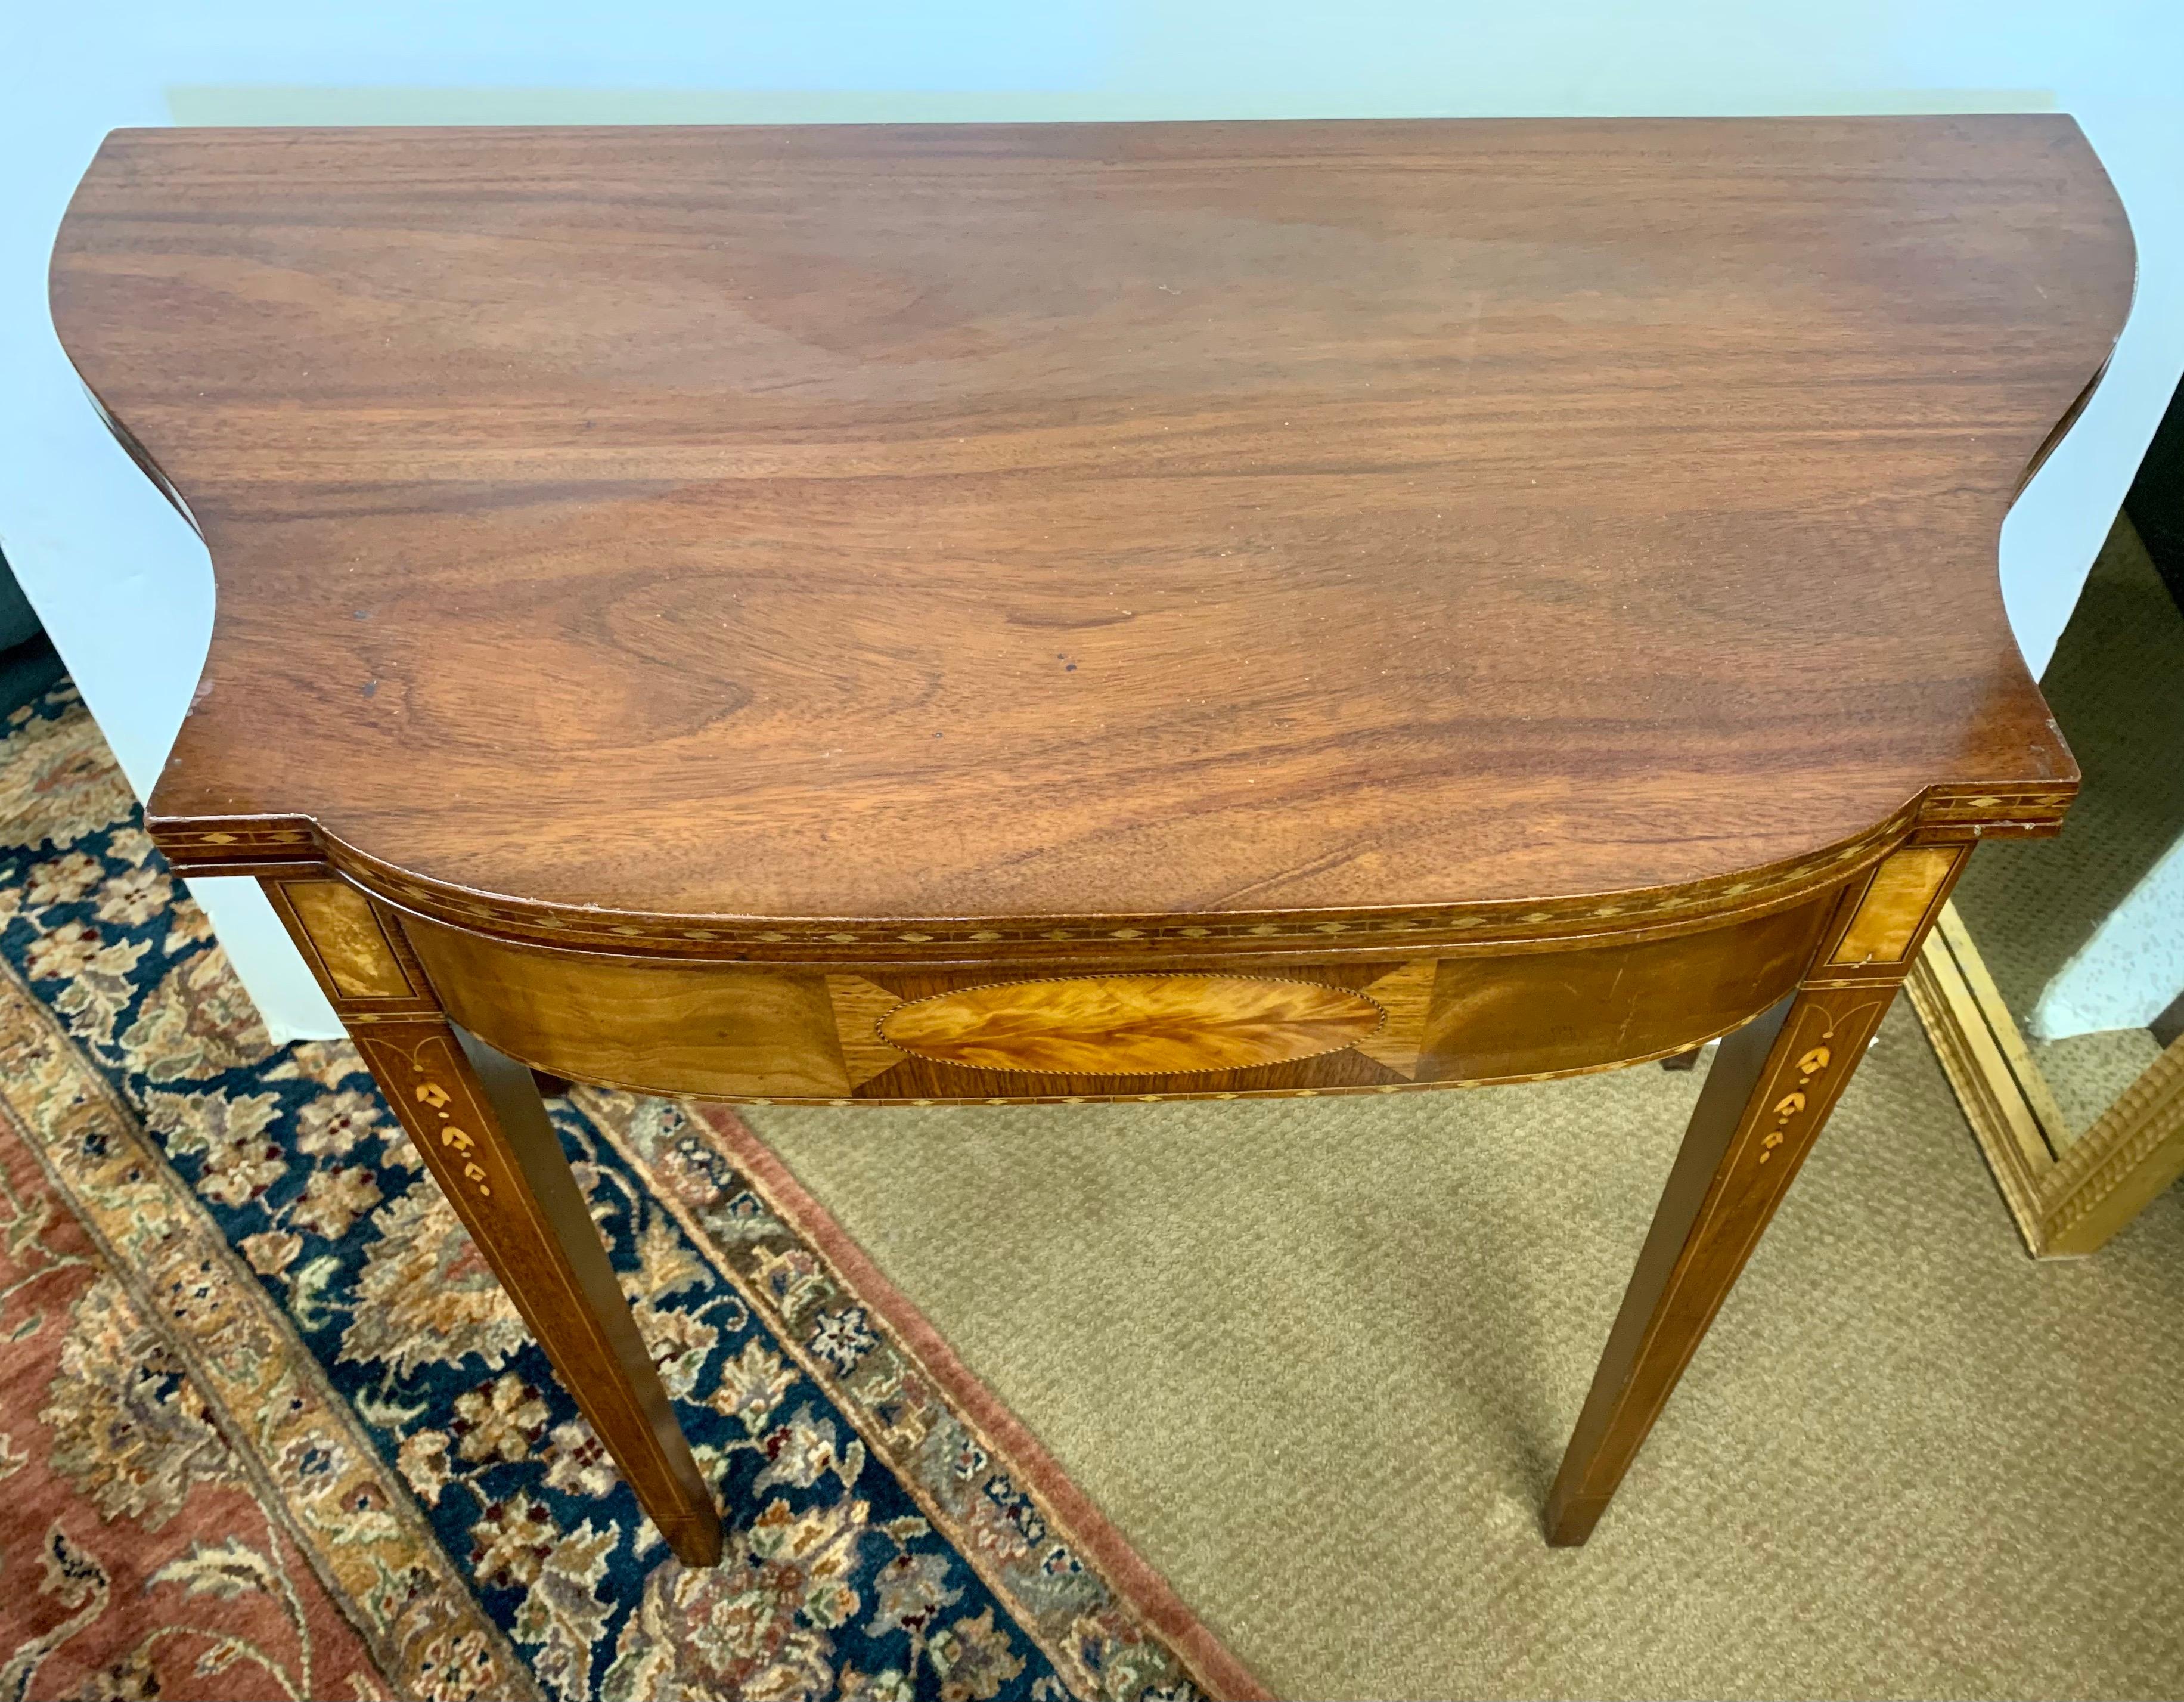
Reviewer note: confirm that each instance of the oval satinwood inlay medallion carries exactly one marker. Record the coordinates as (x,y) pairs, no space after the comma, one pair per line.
(1131,1024)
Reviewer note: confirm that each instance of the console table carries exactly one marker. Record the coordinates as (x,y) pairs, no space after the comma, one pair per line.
(986,614)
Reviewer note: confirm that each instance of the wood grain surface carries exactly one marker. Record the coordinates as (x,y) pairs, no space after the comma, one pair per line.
(995,529)
(1132,1025)
(1896,903)
(775,1035)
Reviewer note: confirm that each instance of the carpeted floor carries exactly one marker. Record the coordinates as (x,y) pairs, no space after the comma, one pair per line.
(268,1427)
(144,1557)
(1318,1359)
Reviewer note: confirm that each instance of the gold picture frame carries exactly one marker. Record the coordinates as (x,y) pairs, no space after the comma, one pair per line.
(2068,1195)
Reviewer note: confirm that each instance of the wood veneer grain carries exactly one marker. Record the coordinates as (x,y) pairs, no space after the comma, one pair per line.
(737,1032)
(1039,524)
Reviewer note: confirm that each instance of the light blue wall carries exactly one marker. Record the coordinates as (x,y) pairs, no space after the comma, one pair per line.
(126,589)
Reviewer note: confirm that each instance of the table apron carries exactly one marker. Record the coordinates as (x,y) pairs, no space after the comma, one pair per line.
(1023,1034)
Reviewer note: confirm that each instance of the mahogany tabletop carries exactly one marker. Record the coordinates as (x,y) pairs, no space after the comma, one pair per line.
(1008,526)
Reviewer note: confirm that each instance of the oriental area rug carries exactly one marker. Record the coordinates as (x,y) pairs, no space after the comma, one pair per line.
(268,1427)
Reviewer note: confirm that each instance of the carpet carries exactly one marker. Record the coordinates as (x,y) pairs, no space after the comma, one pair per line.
(144,1555)
(1319,1359)
(274,1429)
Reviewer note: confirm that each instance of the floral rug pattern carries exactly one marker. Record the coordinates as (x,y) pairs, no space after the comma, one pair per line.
(140,1559)
(446,1489)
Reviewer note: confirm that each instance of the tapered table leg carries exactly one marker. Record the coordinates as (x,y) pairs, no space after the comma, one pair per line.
(477,1118)
(1771,1087)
